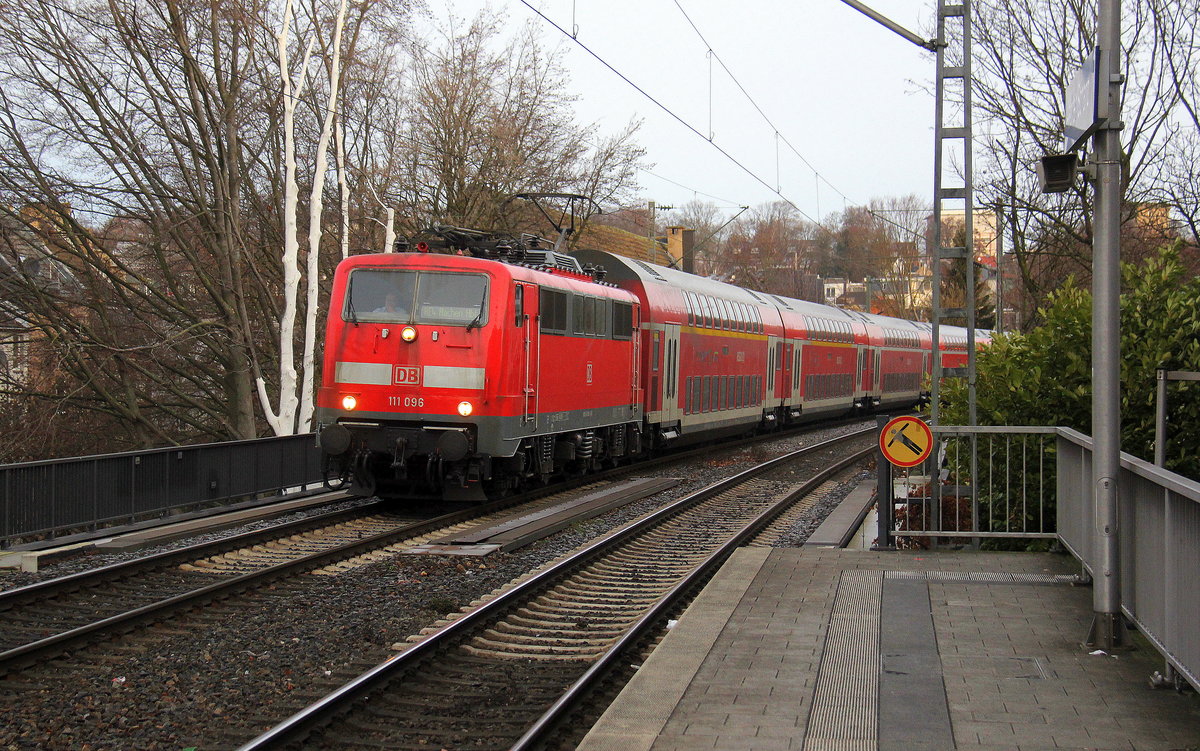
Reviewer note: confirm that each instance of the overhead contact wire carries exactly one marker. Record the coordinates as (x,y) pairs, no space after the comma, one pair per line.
(677,118)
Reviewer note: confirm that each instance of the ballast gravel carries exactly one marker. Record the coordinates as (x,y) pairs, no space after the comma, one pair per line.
(216,677)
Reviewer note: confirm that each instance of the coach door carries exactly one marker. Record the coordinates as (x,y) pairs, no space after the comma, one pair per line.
(670,374)
(525,305)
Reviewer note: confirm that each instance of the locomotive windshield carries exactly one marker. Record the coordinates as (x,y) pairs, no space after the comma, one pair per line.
(389,296)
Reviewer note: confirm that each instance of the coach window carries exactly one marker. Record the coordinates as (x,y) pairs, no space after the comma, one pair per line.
(672,366)
(704,384)
(691,311)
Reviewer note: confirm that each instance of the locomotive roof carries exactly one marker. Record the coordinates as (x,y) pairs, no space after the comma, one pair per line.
(567,278)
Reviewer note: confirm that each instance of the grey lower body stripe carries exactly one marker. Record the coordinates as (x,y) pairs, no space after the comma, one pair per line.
(844,712)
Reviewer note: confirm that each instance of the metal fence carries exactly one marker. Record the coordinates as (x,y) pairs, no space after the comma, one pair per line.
(58,496)
(1006,486)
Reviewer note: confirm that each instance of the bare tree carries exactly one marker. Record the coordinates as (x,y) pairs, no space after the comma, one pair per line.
(487,119)
(144,139)
(174,156)
(1026,53)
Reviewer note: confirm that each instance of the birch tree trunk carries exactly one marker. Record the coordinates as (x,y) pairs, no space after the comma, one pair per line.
(315,209)
(343,181)
(283,420)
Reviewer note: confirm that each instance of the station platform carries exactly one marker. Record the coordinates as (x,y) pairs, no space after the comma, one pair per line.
(823,649)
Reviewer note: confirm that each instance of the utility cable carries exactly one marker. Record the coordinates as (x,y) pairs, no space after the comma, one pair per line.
(779,137)
(676,117)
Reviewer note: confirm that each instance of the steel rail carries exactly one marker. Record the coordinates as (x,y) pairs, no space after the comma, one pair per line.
(82,579)
(337,702)
(153,612)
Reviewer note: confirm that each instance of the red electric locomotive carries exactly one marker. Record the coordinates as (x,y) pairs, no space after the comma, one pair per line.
(501,363)
(451,371)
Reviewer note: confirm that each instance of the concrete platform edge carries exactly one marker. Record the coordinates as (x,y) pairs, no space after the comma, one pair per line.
(636,718)
(841,525)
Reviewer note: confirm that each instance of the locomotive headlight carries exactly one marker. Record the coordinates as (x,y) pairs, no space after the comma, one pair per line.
(465,409)
(349,402)
(408,333)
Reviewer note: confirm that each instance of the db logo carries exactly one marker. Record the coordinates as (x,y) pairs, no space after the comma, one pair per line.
(406,376)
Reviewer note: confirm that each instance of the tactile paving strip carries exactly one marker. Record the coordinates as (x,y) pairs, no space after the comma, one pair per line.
(844,715)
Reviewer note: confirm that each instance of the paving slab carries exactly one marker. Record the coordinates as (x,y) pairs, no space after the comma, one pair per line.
(759,660)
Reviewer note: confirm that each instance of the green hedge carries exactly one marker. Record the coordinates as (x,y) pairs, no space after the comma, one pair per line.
(1044,377)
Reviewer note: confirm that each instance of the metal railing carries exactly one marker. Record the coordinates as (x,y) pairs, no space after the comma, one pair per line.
(1159,537)
(992,482)
(1030,483)
(58,496)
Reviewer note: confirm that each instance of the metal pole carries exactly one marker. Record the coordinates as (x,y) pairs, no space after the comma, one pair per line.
(1160,420)
(999,324)
(928,44)
(884,495)
(1106,343)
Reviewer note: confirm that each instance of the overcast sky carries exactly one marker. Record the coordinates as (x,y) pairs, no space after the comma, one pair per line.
(848,94)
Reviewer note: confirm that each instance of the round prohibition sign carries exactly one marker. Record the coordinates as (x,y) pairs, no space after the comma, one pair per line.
(906,441)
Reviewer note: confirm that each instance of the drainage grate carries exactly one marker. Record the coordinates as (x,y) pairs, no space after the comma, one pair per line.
(996,577)
(844,714)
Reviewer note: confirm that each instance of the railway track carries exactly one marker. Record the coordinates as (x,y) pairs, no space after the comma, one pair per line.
(505,673)
(59,615)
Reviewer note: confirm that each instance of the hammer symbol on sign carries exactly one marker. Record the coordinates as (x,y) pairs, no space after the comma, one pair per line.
(898,435)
